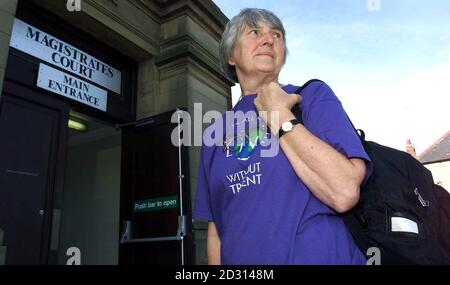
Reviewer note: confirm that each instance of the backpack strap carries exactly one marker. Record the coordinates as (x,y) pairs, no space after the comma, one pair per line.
(297,111)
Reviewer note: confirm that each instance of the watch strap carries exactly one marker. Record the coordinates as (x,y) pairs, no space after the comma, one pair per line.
(281,132)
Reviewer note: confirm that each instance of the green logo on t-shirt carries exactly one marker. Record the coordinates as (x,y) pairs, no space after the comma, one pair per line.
(242,146)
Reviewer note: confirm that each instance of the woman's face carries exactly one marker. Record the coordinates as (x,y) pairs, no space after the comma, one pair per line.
(258,50)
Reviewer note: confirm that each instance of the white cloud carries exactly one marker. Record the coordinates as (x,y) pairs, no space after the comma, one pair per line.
(415,108)
(442,53)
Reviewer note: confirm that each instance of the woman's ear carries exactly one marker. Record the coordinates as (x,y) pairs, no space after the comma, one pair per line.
(231,61)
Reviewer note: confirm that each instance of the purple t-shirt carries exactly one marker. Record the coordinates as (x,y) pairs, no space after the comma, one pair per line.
(263,212)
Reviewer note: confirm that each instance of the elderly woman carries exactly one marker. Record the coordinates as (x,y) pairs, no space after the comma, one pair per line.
(281,209)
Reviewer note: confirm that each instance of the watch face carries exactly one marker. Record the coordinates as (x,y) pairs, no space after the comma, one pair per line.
(286,126)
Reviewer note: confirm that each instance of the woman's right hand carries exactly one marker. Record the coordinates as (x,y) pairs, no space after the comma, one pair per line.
(274,105)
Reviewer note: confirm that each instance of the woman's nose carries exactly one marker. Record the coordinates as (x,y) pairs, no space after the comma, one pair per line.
(267,39)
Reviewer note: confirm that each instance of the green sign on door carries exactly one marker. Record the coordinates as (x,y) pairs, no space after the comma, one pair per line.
(157,204)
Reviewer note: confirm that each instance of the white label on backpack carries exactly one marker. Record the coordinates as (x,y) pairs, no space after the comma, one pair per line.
(399,224)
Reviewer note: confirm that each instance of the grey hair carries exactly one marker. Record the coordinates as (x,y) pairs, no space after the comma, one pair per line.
(247,17)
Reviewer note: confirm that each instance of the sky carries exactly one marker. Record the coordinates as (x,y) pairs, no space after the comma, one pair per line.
(388,61)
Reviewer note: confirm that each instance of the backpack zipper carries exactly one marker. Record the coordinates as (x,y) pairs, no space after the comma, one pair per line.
(422,201)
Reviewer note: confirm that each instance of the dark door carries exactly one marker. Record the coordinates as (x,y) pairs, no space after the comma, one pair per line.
(156,220)
(29,149)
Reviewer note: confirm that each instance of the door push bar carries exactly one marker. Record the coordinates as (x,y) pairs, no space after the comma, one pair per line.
(181,232)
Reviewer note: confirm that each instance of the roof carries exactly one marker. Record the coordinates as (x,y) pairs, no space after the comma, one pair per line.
(437,152)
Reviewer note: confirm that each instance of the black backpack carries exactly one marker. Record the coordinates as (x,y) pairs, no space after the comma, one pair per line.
(401,212)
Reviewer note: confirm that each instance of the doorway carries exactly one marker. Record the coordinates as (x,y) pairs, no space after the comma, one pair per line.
(91,202)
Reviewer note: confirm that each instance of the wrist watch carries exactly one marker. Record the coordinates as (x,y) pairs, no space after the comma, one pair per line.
(287,126)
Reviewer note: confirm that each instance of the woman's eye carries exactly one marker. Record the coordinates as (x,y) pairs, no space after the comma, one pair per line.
(254,32)
(277,35)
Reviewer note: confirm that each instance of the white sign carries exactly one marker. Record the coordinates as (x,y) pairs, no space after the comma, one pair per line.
(35,42)
(68,86)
